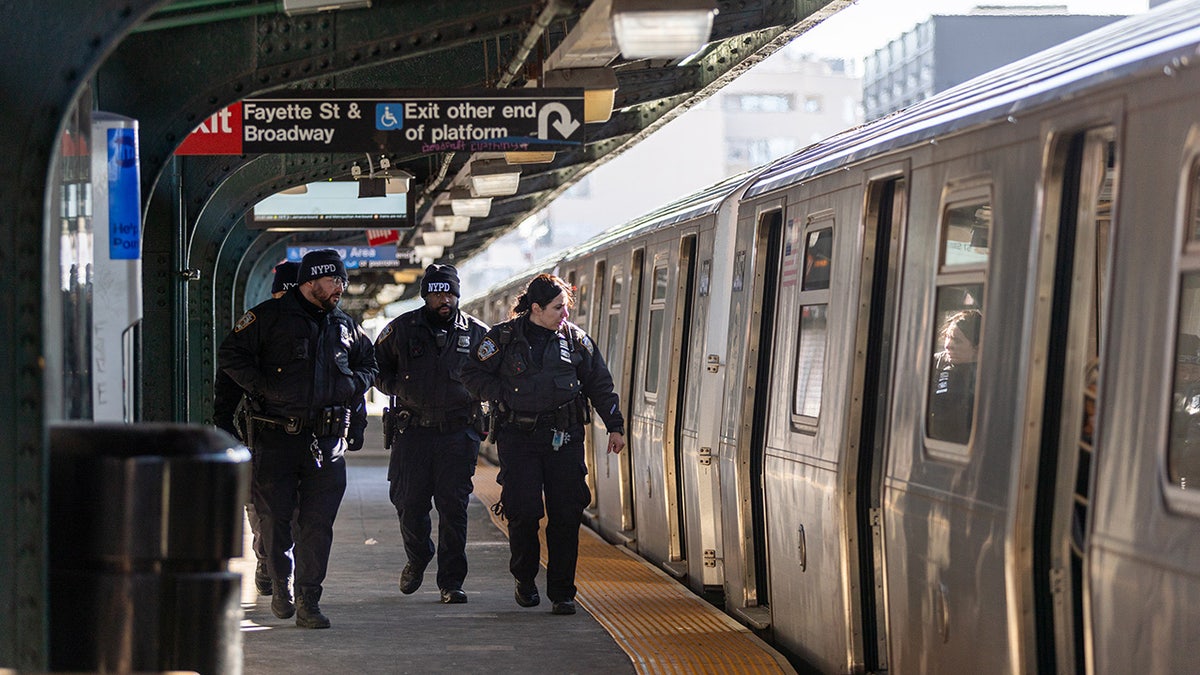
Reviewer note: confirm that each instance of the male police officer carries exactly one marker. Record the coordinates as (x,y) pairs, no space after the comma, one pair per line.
(304,365)
(226,397)
(432,429)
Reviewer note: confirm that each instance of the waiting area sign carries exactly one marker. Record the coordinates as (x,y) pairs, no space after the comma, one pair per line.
(410,122)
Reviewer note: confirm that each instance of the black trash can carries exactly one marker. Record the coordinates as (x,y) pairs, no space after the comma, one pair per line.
(144,519)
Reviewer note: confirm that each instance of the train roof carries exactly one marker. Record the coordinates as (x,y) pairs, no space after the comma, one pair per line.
(695,205)
(1157,41)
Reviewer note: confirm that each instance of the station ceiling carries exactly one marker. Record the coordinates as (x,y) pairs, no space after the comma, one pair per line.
(190,58)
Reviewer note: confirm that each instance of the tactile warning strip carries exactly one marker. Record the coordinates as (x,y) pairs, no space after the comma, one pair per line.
(661,625)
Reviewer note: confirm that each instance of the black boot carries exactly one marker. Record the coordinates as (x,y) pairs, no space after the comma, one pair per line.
(281,600)
(262,580)
(308,612)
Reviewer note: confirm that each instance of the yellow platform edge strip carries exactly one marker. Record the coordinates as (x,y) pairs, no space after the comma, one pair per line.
(658,622)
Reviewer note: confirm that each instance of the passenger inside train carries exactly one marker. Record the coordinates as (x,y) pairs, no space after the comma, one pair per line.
(952,394)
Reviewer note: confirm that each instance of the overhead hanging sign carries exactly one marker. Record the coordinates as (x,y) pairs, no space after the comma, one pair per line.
(354,257)
(399,121)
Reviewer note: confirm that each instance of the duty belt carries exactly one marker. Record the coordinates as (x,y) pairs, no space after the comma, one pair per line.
(561,417)
(451,420)
(332,421)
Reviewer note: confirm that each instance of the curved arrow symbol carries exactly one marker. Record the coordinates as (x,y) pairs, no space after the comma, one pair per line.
(565,125)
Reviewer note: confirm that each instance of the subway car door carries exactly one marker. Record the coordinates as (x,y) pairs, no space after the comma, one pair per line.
(883,231)
(625,322)
(648,399)
(676,350)
(1083,176)
(758,278)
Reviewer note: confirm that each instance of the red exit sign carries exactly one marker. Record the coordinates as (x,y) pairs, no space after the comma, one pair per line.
(220,134)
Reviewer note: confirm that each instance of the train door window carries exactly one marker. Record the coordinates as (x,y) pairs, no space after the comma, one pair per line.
(614,317)
(658,310)
(581,304)
(814,314)
(1183,447)
(958,320)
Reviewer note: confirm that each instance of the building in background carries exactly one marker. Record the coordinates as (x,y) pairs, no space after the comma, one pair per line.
(948,50)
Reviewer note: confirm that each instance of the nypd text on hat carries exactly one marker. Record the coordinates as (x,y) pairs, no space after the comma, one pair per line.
(321,270)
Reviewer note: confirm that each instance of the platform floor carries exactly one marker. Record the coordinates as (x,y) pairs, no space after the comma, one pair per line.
(633,618)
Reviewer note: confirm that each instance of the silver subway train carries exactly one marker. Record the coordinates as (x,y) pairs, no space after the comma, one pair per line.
(924,397)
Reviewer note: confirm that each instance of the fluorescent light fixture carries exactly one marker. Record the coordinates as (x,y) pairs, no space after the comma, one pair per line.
(428,252)
(445,220)
(599,89)
(398,184)
(652,29)
(463,203)
(529,157)
(443,239)
(294,7)
(494,178)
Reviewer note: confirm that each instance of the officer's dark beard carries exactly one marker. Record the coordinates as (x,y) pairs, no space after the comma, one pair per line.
(433,316)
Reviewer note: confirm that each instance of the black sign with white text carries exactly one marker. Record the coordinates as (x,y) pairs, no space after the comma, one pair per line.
(411,122)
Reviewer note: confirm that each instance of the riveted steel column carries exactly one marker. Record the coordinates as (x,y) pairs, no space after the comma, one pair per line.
(52,48)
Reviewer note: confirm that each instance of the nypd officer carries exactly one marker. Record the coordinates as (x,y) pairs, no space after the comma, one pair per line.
(431,428)
(226,397)
(304,365)
(540,371)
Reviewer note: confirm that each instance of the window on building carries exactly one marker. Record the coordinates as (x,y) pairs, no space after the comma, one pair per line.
(813,103)
(756,151)
(759,103)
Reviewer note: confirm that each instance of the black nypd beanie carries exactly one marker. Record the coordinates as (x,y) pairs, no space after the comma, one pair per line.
(440,279)
(285,276)
(323,263)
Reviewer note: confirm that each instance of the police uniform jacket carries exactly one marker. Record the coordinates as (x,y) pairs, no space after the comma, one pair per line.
(294,364)
(421,376)
(501,369)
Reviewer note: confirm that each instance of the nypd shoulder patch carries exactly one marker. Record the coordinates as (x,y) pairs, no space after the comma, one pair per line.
(587,343)
(486,350)
(244,322)
(387,330)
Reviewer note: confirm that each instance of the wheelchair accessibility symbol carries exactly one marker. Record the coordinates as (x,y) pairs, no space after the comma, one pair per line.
(389,116)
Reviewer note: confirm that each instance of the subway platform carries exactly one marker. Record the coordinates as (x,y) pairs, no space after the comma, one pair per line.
(632,618)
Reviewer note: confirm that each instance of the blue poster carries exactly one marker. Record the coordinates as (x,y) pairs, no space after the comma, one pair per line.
(124,203)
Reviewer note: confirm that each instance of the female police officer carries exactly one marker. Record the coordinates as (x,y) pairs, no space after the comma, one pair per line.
(537,368)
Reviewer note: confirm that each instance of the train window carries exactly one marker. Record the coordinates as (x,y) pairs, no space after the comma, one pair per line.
(658,309)
(1183,443)
(952,378)
(614,317)
(814,313)
(1183,455)
(817,251)
(810,361)
(965,231)
(581,303)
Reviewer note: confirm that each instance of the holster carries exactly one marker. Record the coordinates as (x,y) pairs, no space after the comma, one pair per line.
(241,421)
(389,428)
(482,420)
(396,421)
